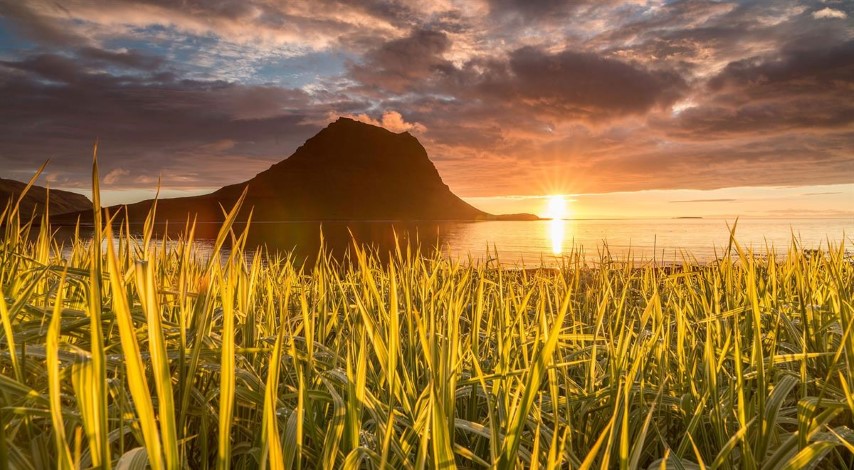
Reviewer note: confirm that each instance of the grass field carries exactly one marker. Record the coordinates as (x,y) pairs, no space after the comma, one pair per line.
(146,354)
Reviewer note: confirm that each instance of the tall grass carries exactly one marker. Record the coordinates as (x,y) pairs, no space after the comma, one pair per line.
(134,353)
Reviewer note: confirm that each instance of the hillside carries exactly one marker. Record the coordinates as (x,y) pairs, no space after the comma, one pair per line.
(61,202)
(348,171)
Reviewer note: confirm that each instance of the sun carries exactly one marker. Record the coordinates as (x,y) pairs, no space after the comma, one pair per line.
(556,208)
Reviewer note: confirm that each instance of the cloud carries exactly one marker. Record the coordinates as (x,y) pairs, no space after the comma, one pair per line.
(221,145)
(704,200)
(391,120)
(152,123)
(571,84)
(115,175)
(305,24)
(564,85)
(800,89)
(125,58)
(827,12)
(400,64)
(35,25)
(544,15)
(529,8)
(520,97)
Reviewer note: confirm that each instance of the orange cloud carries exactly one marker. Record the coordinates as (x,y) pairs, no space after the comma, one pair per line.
(391,120)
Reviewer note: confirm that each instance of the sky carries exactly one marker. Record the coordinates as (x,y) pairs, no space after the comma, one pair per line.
(637,108)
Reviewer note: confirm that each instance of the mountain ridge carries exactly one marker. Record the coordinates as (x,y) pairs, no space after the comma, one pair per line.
(33,203)
(347,171)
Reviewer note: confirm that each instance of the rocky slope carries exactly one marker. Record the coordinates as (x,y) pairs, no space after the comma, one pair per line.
(348,171)
(61,202)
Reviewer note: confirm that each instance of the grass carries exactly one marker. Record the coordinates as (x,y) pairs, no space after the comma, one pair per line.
(134,352)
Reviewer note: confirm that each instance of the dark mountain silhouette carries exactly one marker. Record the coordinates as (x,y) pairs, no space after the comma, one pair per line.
(348,171)
(34,201)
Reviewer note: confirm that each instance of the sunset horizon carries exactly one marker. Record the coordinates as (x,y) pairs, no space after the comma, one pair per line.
(427,234)
(742,106)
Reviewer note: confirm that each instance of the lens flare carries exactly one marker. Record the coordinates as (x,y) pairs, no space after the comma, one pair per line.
(556,208)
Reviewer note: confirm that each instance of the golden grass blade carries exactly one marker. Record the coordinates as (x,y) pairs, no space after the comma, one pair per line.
(809,456)
(225,229)
(594,451)
(63,453)
(639,440)
(97,426)
(135,367)
(544,358)
(420,362)
(159,362)
(731,444)
(17,205)
(270,441)
(227,376)
(9,337)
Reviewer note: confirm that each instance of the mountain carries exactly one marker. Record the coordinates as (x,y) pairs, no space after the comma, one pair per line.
(61,202)
(348,171)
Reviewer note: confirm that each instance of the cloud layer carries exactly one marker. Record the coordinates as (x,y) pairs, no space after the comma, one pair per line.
(509,97)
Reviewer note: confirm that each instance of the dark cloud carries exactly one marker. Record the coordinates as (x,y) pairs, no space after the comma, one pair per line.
(533,13)
(399,64)
(562,86)
(795,71)
(806,90)
(583,85)
(530,7)
(52,107)
(48,66)
(36,26)
(586,95)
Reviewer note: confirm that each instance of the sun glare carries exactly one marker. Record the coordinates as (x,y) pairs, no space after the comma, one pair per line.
(556,235)
(556,208)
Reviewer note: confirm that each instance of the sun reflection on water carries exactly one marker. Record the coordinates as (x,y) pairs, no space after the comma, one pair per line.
(557,232)
(557,211)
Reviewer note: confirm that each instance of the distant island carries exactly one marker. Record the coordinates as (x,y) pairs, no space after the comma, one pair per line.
(515,217)
(348,171)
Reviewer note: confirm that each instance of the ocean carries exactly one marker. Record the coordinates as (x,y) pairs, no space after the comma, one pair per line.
(552,242)
(545,242)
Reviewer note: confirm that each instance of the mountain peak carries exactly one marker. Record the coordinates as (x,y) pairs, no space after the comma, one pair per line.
(350,123)
(354,170)
(344,122)
(349,170)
